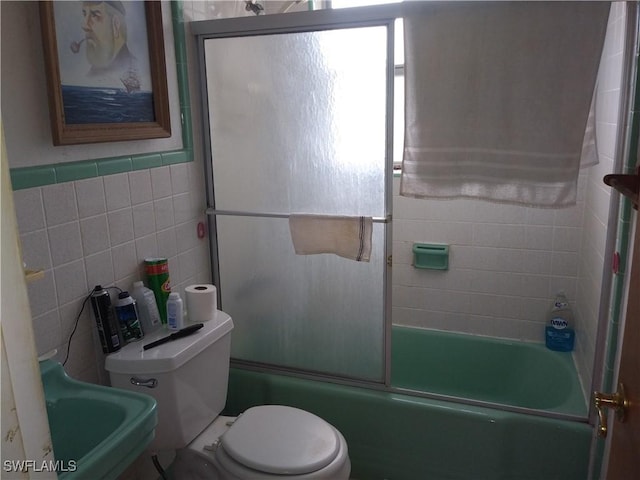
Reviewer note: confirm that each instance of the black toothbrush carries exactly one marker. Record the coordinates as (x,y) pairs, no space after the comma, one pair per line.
(186,331)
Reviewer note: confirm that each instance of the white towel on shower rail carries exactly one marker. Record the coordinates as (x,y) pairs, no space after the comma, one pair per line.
(348,237)
(498,97)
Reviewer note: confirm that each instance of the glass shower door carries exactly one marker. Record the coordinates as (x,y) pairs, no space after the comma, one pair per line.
(298,123)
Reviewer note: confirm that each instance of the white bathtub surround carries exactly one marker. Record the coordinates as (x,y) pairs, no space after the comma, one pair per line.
(479,124)
(98,231)
(507,262)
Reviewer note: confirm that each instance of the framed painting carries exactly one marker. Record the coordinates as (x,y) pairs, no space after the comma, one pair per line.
(105,69)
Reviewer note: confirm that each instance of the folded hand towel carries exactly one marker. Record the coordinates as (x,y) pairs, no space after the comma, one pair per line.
(348,237)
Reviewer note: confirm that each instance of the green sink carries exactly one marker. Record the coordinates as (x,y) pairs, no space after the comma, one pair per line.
(97,431)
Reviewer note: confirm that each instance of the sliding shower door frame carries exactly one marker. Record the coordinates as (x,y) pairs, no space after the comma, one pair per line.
(319,20)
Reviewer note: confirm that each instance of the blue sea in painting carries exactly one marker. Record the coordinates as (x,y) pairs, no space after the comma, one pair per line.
(106,105)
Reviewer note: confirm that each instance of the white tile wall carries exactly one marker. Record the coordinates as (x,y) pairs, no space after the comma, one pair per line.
(98,231)
(120,226)
(140,183)
(116,190)
(60,204)
(90,197)
(507,262)
(95,234)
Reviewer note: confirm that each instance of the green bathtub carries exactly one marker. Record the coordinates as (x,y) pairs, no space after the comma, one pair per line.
(398,436)
(508,372)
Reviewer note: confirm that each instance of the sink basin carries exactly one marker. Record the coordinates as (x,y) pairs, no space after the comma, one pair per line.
(96,431)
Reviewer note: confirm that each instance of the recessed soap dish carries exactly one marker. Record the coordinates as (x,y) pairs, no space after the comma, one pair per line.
(433,256)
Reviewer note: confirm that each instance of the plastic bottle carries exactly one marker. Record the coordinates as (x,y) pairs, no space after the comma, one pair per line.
(157,270)
(127,314)
(148,312)
(175,312)
(559,335)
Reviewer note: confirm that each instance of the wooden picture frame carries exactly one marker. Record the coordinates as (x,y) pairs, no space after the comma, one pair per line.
(98,95)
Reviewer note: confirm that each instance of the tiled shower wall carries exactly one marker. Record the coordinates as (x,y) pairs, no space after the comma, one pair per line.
(508,262)
(99,231)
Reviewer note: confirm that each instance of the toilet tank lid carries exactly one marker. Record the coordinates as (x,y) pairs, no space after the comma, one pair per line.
(133,359)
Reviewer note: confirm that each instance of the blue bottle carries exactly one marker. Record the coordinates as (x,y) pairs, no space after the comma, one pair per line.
(559,336)
(127,314)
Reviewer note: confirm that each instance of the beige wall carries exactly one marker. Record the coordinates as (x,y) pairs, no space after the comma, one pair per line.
(25,101)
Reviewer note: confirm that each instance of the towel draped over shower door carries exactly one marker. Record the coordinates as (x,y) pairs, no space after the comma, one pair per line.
(498,99)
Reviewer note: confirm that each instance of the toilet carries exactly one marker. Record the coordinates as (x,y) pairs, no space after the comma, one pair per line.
(188,378)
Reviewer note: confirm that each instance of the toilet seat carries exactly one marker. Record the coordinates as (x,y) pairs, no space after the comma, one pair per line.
(263,428)
(279,440)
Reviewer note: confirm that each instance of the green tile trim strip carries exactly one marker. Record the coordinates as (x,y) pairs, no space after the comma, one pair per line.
(622,247)
(180,43)
(111,166)
(68,172)
(145,162)
(30,177)
(170,158)
(623,242)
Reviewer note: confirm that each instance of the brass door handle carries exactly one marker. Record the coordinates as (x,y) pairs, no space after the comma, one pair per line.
(618,401)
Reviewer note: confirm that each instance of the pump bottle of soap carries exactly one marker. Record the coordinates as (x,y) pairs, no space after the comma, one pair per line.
(559,334)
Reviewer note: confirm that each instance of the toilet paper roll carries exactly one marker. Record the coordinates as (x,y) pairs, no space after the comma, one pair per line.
(202,302)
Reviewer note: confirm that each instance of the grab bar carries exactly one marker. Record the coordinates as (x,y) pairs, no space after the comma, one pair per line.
(213,211)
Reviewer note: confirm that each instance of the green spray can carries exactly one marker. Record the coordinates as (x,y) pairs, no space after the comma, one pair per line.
(157,270)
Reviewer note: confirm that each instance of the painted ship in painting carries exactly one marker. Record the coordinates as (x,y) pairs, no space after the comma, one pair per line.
(131,82)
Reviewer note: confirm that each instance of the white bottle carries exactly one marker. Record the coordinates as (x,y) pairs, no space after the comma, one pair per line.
(147,307)
(175,312)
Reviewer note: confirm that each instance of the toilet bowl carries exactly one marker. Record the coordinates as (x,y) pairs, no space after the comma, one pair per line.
(265,442)
(188,378)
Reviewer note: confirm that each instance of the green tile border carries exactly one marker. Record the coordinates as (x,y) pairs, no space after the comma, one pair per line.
(30,177)
(170,158)
(111,166)
(68,172)
(622,247)
(624,237)
(145,162)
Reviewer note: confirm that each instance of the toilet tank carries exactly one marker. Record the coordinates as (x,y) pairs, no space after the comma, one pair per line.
(188,378)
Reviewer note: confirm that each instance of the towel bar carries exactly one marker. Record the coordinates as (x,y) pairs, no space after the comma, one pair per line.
(213,211)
